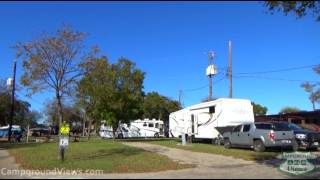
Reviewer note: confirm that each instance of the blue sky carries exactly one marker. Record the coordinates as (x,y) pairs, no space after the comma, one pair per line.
(170,40)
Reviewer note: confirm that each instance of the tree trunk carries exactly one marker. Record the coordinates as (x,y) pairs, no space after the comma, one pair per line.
(60,113)
(89,128)
(84,124)
(314,105)
(114,129)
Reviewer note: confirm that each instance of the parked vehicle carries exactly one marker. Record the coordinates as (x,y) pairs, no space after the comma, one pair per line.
(210,120)
(40,132)
(16,135)
(305,138)
(260,136)
(105,131)
(147,128)
(136,129)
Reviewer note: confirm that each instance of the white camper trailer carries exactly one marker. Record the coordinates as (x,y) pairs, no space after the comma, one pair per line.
(136,129)
(148,128)
(105,131)
(210,120)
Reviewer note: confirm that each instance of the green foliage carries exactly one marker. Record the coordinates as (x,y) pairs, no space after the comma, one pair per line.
(299,8)
(289,110)
(111,157)
(23,116)
(112,92)
(159,107)
(259,109)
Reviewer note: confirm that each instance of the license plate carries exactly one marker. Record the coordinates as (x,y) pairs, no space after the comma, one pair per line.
(286,141)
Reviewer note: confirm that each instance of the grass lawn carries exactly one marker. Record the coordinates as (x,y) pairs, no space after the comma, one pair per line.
(106,155)
(245,154)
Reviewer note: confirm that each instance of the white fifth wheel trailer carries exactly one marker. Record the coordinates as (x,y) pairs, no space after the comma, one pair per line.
(209,120)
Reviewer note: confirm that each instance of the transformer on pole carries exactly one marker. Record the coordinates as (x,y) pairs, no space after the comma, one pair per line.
(210,72)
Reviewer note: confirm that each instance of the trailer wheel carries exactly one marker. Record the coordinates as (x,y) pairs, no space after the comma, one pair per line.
(258,146)
(120,136)
(227,144)
(156,135)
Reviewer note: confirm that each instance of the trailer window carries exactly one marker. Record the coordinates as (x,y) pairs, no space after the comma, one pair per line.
(212,109)
(157,125)
(124,129)
(145,125)
(151,125)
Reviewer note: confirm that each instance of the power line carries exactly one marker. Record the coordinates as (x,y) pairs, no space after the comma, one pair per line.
(30,98)
(196,89)
(38,102)
(271,78)
(219,80)
(282,70)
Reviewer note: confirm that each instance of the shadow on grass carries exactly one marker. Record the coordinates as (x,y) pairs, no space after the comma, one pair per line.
(110,153)
(6,145)
(144,139)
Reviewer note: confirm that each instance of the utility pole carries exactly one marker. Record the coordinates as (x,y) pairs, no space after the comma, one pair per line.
(180,98)
(12,100)
(230,68)
(210,57)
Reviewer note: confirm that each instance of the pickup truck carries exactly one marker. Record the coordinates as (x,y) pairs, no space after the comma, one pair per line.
(260,136)
(304,137)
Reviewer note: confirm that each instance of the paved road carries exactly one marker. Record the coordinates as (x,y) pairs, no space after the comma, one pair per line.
(207,166)
(7,165)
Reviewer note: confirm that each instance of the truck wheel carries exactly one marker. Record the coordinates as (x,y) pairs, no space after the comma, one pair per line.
(227,144)
(258,146)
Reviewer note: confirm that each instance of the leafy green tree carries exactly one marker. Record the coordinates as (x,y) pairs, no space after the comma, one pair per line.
(52,62)
(299,8)
(95,90)
(22,116)
(159,107)
(128,90)
(112,92)
(289,110)
(259,109)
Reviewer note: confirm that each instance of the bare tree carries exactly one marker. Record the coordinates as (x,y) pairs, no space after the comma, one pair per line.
(314,95)
(53,62)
